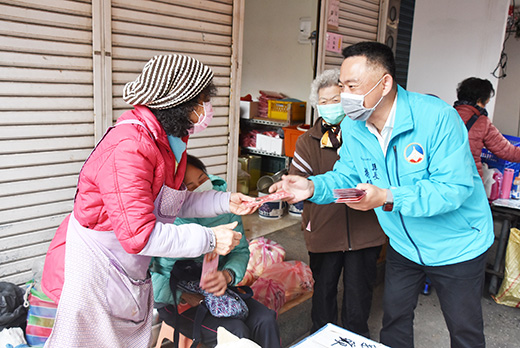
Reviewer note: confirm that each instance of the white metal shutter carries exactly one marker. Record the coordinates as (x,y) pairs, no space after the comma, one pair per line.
(199,28)
(358,21)
(46,124)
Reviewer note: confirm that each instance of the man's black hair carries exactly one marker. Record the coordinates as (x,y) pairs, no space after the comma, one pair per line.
(197,163)
(475,90)
(376,54)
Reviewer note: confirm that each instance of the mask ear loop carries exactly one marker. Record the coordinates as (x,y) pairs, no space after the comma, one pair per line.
(199,116)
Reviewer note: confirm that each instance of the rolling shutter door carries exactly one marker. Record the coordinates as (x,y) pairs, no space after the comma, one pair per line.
(201,29)
(358,21)
(46,124)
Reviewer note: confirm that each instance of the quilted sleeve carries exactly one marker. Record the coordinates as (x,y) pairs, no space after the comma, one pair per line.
(125,183)
(495,142)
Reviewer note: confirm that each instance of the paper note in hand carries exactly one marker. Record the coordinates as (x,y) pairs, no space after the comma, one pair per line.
(349,195)
(208,267)
(269,198)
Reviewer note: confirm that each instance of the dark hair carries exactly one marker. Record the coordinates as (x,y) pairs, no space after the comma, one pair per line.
(176,120)
(475,90)
(197,163)
(376,54)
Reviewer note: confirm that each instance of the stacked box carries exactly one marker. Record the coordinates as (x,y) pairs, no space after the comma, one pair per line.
(289,111)
(269,144)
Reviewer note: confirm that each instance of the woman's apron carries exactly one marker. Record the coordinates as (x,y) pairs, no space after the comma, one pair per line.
(107,298)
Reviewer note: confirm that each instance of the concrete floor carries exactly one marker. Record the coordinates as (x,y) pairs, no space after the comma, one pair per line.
(502,323)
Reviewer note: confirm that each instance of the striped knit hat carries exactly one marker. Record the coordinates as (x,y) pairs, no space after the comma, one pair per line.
(167,81)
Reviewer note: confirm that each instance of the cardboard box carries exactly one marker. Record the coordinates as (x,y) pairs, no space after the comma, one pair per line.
(289,111)
(248,109)
(269,144)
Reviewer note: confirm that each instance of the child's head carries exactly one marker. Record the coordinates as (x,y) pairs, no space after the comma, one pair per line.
(196,177)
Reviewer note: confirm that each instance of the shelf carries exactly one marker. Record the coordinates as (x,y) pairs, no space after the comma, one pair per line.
(266,122)
(261,152)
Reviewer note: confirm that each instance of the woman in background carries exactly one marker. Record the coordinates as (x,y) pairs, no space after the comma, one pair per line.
(473,94)
(339,239)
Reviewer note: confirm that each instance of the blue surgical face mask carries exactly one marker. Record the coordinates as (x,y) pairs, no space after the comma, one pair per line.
(354,104)
(332,113)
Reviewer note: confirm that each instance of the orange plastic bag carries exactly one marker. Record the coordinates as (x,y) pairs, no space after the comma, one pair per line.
(264,252)
(269,292)
(296,277)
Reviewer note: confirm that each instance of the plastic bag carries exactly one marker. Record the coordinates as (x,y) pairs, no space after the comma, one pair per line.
(12,337)
(296,277)
(269,292)
(40,317)
(226,339)
(509,292)
(248,279)
(264,252)
(12,311)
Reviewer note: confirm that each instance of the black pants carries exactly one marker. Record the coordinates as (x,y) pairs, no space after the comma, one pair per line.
(260,326)
(359,274)
(459,288)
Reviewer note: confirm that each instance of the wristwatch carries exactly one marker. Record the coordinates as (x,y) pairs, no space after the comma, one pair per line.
(388,205)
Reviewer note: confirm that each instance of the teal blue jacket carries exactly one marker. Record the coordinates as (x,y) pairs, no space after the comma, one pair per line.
(441,214)
(235,261)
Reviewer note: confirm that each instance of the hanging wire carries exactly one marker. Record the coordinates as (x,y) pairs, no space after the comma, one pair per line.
(500,69)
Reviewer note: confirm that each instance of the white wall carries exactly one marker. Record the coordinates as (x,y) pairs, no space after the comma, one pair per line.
(453,40)
(507,103)
(272,57)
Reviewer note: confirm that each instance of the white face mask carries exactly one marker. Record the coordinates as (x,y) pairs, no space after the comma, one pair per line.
(354,104)
(205,186)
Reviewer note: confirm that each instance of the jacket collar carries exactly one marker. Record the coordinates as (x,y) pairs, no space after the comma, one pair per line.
(143,114)
(403,123)
(315,131)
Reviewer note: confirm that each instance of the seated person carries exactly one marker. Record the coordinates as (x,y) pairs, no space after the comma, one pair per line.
(260,325)
(473,94)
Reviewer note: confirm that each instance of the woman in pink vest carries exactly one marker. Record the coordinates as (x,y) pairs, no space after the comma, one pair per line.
(129,193)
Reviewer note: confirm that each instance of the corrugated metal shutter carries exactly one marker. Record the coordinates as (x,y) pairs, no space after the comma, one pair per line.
(202,29)
(46,124)
(358,21)
(404,40)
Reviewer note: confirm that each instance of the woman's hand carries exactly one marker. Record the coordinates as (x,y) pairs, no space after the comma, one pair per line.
(192,299)
(236,206)
(226,238)
(216,282)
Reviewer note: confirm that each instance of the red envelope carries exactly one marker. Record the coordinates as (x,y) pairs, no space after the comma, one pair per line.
(208,267)
(269,198)
(351,195)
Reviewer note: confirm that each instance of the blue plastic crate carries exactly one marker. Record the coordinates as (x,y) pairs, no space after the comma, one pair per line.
(494,162)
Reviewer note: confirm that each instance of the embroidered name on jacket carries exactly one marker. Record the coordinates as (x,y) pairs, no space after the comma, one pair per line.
(414,153)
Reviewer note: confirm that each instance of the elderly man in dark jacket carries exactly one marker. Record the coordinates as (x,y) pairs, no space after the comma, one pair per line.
(337,237)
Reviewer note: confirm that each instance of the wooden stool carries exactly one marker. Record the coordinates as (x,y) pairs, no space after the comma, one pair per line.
(167,332)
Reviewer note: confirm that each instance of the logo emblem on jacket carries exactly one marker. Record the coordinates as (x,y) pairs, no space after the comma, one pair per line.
(414,153)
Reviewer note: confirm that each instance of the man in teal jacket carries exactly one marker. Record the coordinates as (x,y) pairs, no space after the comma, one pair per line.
(409,152)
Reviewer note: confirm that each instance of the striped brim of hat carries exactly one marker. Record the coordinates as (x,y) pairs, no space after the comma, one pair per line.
(167,81)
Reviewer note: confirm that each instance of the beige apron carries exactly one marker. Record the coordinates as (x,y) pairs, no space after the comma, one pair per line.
(107,297)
